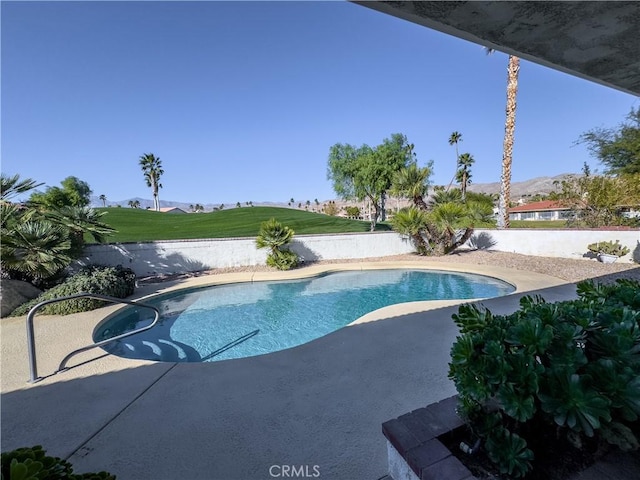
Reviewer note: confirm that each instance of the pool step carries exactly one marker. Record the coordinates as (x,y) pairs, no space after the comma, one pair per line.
(159,350)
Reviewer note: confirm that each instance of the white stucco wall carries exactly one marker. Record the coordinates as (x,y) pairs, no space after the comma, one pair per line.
(554,243)
(192,255)
(168,257)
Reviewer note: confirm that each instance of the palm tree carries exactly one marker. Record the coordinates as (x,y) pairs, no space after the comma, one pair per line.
(78,221)
(513,69)
(412,222)
(103,198)
(35,250)
(12,186)
(463,175)
(412,182)
(274,236)
(452,224)
(32,247)
(445,196)
(152,169)
(454,139)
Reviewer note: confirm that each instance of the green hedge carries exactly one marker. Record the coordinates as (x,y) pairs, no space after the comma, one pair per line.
(551,370)
(113,281)
(31,463)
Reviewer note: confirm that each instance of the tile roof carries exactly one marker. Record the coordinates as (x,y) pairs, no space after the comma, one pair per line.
(539,206)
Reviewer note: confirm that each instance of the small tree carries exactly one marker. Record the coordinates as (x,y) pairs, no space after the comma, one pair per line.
(366,173)
(353,212)
(73,193)
(330,208)
(103,199)
(275,236)
(617,148)
(596,201)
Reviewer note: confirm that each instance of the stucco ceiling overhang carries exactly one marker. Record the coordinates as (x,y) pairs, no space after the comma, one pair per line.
(598,41)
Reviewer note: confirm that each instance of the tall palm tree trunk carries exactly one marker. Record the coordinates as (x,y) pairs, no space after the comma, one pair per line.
(509,129)
(457,162)
(156,200)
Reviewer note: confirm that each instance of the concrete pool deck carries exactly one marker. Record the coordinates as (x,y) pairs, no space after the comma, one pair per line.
(318,406)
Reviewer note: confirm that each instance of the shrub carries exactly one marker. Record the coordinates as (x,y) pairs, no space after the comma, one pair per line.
(274,236)
(283,259)
(113,281)
(609,248)
(566,370)
(32,464)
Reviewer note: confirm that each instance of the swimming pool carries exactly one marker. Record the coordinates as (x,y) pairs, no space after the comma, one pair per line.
(247,319)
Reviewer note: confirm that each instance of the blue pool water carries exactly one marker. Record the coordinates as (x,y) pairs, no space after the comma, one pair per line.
(247,319)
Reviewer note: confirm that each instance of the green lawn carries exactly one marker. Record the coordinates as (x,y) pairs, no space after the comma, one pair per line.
(551,224)
(134,225)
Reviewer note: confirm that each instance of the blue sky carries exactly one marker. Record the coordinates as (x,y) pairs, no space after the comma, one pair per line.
(242,100)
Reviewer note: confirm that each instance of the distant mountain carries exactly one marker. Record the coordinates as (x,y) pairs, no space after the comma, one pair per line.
(539,185)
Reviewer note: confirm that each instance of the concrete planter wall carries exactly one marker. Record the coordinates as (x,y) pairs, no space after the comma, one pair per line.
(169,257)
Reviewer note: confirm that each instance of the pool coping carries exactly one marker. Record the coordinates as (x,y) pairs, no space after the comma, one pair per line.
(82,325)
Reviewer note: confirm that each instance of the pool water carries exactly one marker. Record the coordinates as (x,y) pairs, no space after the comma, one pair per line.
(247,319)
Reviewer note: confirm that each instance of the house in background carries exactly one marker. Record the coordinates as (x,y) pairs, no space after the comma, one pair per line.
(172,210)
(544,210)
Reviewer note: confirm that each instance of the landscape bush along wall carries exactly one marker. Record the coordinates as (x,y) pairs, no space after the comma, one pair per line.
(192,255)
(169,257)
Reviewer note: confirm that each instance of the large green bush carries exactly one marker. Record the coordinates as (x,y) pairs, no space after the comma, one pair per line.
(113,281)
(566,370)
(31,463)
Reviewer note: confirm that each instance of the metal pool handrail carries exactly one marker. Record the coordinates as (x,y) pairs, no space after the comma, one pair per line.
(33,368)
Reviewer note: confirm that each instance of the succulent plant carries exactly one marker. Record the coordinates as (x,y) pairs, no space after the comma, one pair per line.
(609,248)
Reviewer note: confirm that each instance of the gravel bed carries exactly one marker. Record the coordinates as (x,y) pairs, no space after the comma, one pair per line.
(572,270)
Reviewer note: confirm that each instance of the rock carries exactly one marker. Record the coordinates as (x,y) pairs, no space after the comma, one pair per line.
(14,293)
